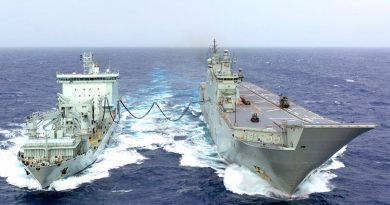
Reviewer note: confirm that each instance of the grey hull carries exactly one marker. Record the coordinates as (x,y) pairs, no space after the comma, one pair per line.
(46,175)
(66,140)
(279,140)
(284,169)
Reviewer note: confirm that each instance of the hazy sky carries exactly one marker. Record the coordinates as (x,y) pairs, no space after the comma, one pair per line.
(194,22)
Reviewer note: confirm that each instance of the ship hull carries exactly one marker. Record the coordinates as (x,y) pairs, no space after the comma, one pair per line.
(284,169)
(46,175)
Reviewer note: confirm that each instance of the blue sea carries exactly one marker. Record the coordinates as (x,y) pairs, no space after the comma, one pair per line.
(155,161)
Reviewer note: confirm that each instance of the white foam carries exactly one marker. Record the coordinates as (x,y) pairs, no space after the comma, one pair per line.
(122,191)
(153,132)
(313,101)
(197,151)
(132,134)
(148,141)
(349,80)
(196,111)
(111,159)
(337,102)
(15,174)
(320,180)
(11,168)
(12,124)
(5,133)
(188,155)
(241,180)
(150,133)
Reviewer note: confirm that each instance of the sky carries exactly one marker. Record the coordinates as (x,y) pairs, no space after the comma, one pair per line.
(189,23)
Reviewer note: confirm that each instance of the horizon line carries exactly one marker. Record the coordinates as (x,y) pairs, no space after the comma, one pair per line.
(6,47)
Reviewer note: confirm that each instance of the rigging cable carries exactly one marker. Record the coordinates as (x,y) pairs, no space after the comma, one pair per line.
(160,109)
(112,117)
(149,110)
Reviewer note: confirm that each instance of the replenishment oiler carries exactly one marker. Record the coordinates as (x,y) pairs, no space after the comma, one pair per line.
(279,140)
(67,140)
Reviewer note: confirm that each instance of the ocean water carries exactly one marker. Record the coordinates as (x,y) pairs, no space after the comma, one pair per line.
(154,161)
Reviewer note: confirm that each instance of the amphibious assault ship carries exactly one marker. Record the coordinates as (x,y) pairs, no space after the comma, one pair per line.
(68,139)
(279,140)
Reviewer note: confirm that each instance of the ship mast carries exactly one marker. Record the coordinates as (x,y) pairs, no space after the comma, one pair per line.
(214,48)
(90,67)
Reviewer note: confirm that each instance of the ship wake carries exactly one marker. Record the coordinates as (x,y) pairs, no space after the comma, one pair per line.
(14,173)
(188,137)
(241,180)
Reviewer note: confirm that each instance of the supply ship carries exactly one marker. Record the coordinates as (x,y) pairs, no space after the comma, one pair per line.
(67,140)
(277,139)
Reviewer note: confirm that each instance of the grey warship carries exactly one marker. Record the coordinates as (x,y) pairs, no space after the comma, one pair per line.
(278,140)
(68,139)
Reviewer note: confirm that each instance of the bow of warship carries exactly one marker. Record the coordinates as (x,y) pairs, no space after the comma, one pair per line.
(67,140)
(279,140)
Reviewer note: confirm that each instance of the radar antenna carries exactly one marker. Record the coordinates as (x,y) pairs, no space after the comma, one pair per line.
(88,63)
(90,66)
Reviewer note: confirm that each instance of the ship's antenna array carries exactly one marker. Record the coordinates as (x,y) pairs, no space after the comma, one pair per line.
(214,47)
(87,59)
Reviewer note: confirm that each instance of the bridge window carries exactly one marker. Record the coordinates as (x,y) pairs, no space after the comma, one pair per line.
(80,79)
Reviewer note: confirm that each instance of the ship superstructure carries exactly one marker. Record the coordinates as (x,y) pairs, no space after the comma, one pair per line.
(279,140)
(68,139)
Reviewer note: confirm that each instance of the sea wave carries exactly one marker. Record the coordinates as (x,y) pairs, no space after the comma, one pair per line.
(197,150)
(15,174)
